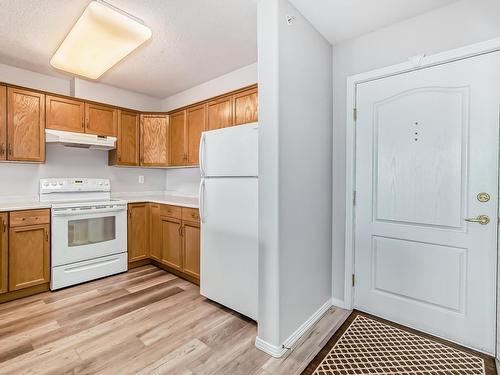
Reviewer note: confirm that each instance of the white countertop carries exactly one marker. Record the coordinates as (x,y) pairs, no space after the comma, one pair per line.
(20,205)
(160,198)
(32,203)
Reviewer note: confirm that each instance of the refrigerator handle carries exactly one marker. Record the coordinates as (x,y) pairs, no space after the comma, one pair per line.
(201,155)
(202,200)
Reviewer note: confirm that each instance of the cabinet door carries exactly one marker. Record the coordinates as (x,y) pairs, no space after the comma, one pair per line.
(3,123)
(4,243)
(246,106)
(171,242)
(154,140)
(25,125)
(138,232)
(177,139)
(29,256)
(220,113)
(191,263)
(155,230)
(65,114)
(196,122)
(127,144)
(101,120)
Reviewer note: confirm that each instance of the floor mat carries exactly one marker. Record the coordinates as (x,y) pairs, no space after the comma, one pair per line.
(368,345)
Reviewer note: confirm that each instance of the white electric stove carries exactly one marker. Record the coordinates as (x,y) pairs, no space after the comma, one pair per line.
(89,230)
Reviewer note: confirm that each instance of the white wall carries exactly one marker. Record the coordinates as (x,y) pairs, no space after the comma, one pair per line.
(98,92)
(22,179)
(27,78)
(231,81)
(459,24)
(295,160)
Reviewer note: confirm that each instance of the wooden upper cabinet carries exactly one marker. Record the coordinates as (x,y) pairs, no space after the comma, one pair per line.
(177,139)
(154,140)
(246,106)
(191,237)
(101,120)
(196,123)
(220,113)
(4,250)
(171,240)
(25,125)
(29,256)
(138,231)
(64,114)
(127,144)
(155,248)
(3,123)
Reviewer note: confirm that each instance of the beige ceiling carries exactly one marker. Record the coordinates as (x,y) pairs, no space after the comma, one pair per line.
(193,40)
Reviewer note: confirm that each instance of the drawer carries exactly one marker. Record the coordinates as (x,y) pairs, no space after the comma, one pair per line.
(171,211)
(32,217)
(190,214)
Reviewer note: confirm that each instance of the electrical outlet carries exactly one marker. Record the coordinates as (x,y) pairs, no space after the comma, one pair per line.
(141,179)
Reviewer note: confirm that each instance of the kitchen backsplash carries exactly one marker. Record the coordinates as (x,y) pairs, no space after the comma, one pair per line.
(18,179)
(183,181)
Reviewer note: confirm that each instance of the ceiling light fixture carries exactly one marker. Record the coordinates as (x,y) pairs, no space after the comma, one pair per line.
(102,36)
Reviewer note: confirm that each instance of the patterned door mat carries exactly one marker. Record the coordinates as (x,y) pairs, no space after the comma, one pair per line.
(368,345)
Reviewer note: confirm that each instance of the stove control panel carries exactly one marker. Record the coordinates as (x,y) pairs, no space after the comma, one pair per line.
(54,185)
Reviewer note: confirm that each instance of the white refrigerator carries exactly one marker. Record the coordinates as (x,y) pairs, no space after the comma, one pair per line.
(229,217)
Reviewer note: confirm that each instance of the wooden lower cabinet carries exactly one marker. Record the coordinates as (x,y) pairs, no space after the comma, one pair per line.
(155,248)
(138,231)
(4,252)
(174,238)
(191,246)
(171,240)
(29,256)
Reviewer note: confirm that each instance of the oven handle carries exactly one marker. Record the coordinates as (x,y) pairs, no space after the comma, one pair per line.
(91,211)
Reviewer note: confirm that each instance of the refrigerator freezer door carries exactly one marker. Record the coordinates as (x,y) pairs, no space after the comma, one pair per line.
(229,243)
(230,152)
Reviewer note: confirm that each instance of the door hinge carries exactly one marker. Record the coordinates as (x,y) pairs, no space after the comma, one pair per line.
(354,198)
(353,280)
(355,114)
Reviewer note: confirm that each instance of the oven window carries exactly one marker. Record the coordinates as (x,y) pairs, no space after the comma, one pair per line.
(91,231)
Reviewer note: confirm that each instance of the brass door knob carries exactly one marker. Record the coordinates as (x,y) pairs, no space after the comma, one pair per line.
(481,219)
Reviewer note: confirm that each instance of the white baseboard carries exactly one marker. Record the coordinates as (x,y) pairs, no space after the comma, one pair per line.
(273,350)
(279,351)
(338,303)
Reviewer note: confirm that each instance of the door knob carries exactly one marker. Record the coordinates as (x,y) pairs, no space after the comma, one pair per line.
(481,219)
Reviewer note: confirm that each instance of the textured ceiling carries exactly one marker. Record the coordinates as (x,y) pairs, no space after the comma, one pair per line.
(193,40)
(340,20)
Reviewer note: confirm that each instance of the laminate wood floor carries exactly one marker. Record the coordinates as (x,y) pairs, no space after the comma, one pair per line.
(145,321)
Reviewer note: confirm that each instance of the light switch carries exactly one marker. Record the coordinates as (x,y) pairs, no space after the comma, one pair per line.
(141,179)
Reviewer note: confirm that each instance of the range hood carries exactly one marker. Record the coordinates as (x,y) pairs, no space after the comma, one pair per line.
(80,140)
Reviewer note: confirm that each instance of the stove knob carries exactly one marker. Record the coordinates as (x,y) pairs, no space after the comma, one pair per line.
(53,184)
(60,183)
(45,184)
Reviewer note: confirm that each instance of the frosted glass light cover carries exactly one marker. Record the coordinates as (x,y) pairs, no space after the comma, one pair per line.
(101,37)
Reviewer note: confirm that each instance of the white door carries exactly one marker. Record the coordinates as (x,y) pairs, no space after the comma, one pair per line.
(230,151)
(229,242)
(426,146)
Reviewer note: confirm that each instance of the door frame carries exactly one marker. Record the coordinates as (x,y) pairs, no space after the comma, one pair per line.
(414,63)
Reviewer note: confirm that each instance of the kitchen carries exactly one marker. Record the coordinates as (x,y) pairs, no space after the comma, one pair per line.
(176,179)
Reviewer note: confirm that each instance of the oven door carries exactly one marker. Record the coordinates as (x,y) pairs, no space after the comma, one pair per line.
(87,233)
